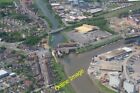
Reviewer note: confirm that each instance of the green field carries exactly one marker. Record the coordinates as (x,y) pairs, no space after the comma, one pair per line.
(117,12)
(104,88)
(6,1)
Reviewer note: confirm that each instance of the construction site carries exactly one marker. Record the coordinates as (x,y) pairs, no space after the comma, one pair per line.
(118,69)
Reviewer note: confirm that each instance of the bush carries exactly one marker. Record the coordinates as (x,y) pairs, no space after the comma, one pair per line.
(99,44)
(32,40)
(11,36)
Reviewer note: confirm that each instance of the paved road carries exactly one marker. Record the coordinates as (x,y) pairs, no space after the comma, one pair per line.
(42,61)
(125,65)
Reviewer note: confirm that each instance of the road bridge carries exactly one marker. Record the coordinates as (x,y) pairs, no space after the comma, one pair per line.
(57,30)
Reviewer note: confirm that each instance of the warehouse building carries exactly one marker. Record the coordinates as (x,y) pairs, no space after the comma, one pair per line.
(96,10)
(129,87)
(3,74)
(85,28)
(114,80)
(135,18)
(115,54)
(113,67)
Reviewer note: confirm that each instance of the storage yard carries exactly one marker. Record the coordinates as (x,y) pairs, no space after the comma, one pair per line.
(117,68)
(86,34)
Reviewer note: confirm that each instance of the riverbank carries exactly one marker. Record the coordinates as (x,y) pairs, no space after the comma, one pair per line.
(103,88)
(61,76)
(61,24)
(45,10)
(98,44)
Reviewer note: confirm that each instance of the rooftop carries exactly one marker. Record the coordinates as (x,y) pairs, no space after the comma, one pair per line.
(116,52)
(2,72)
(85,28)
(111,66)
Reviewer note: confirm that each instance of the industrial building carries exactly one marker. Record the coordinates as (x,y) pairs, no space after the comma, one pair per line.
(138,42)
(27,1)
(106,66)
(129,87)
(96,10)
(115,54)
(3,74)
(135,18)
(85,28)
(87,34)
(114,79)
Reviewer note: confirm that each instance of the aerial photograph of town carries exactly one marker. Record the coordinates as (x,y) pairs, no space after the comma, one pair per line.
(69,46)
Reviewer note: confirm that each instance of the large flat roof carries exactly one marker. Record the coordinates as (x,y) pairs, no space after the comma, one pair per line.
(2,72)
(111,66)
(133,0)
(85,28)
(116,52)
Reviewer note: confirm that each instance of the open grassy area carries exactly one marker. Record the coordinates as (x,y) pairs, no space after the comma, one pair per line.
(61,76)
(98,44)
(113,5)
(118,12)
(5,1)
(104,88)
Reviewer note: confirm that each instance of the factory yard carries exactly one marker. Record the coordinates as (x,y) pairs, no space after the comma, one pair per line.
(133,69)
(117,69)
(128,25)
(86,34)
(120,24)
(71,10)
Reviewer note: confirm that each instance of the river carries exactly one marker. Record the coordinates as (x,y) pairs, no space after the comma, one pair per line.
(48,13)
(73,62)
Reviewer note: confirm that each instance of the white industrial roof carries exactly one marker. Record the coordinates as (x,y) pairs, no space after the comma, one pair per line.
(133,0)
(129,87)
(127,49)
(95,10)
(114,79)
(2,72)
(55,4)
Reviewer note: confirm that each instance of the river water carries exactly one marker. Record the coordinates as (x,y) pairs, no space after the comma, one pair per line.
(45,10)
(73,62)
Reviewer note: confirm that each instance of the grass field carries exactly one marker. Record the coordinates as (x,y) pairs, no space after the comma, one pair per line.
(117,12)
(104,88)
(6,1)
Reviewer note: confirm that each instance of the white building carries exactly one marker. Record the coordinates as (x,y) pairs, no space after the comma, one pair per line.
(93,11)
(3,73)
(114,80)
(133,0)
(129,87)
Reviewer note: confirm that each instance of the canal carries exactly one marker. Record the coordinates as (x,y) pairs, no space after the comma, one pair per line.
(73,62)
(47,12)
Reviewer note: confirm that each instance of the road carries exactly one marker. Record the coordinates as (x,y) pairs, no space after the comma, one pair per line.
(42,61)
(43,54)
(125,65)
(57,30)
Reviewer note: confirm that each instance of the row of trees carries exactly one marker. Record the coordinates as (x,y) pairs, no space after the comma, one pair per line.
(99,44)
